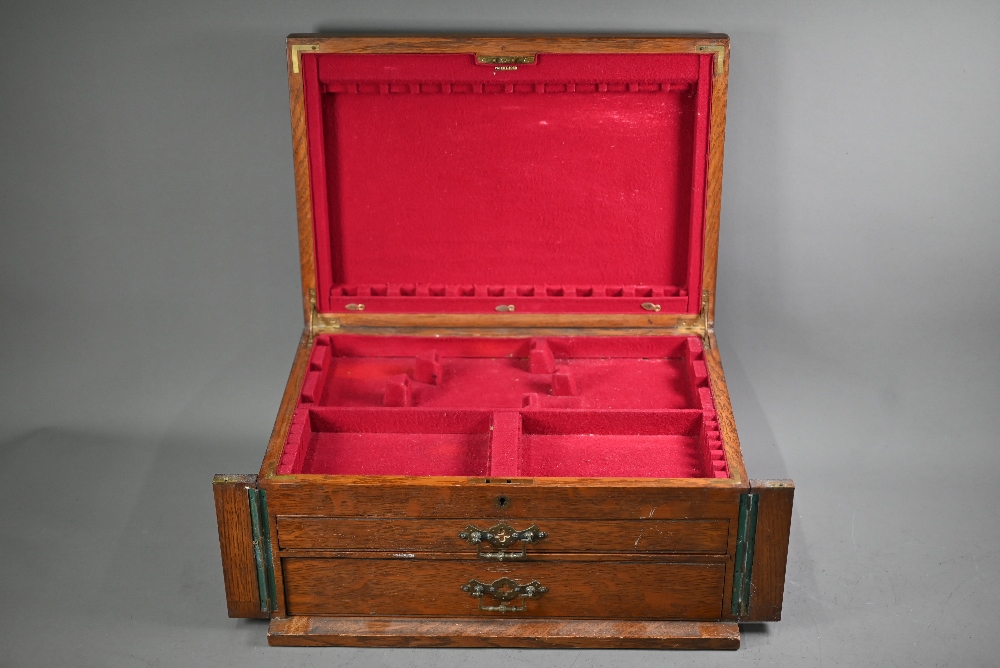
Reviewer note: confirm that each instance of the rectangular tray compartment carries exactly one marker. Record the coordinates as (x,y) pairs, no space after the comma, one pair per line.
(405,442)
(626,444)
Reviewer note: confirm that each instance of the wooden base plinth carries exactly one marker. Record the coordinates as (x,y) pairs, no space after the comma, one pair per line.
(479,632)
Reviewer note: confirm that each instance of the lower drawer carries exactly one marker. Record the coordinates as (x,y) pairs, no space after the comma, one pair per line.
(394,587)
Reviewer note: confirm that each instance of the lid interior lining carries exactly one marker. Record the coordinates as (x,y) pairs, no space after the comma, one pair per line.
(572,185)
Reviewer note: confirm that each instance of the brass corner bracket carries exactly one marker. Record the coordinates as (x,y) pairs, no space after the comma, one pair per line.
(296,52)
(720,55)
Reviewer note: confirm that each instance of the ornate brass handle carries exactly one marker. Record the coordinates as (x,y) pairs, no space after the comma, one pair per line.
(501,537)
(504,590)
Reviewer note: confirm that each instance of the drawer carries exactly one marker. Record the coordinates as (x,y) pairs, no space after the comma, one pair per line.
(395,587)
(561,536)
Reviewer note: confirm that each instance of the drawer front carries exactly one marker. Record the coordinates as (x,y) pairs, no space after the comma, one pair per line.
(393,587)
(561,536)
(425,498)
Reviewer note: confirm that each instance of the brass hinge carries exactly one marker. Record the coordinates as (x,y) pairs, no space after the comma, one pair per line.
(319,323)
(262,548)
(701,325)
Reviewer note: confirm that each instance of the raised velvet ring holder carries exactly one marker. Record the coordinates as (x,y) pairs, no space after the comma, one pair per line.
(507,422)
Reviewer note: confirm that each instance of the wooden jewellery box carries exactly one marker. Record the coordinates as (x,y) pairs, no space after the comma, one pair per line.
(507,422)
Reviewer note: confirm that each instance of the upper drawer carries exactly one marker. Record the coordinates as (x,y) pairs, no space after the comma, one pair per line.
(560,536)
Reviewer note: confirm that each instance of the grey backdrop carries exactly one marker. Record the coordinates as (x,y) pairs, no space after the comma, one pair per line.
(148,291)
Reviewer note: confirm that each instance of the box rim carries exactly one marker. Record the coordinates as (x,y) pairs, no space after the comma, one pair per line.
(731,445)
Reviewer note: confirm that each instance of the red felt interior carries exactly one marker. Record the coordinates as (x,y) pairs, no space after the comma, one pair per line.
(574,184)
(545,407)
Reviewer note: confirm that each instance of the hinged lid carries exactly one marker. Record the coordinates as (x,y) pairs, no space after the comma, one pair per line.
(508,182)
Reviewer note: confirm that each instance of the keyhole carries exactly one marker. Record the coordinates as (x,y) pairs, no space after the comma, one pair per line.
(502,502)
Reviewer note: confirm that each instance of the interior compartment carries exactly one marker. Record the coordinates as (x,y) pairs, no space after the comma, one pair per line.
(506,407)
(616,444)
(575,183)
(415,443)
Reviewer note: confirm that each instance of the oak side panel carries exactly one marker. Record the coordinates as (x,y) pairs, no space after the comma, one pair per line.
(713,199)
(464,632)
(303,189)
(285,410)
(723,406)
(239,568)
(774,521)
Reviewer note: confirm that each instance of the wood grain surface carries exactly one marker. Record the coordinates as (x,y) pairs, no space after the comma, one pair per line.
(507,44)
(317,533)
(464,632)
(727,421)
(665,557)
(713,190)
(774,520)
(239,568)
(616,590)
(289,399)
(303,192)
(397,496)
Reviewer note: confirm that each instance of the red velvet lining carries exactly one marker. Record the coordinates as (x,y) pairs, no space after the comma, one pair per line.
(553,406)
(575,184)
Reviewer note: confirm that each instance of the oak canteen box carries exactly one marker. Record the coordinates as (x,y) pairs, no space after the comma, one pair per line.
(507,422)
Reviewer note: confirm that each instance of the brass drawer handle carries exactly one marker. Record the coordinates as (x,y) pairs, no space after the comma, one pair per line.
(504,590)
(501,537)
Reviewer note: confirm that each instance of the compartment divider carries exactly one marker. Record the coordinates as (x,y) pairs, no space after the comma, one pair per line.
(505,444)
